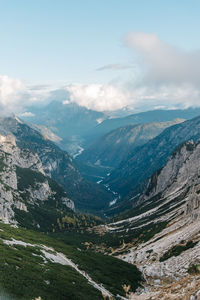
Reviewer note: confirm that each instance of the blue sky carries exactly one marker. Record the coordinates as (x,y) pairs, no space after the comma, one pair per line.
(106,53)
(46,41)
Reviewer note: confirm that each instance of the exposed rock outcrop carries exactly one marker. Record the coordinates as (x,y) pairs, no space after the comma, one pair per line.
(23,181)
(165,227)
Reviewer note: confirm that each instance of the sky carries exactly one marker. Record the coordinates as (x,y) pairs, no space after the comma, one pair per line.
(104,54)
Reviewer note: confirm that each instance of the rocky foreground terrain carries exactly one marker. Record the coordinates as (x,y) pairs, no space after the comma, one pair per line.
(161,236)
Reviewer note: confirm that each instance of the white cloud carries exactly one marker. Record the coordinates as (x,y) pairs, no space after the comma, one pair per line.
(163,63)
(27,114)
(168,97)
(169,77)
(141,97)
(97,96)
(15,96)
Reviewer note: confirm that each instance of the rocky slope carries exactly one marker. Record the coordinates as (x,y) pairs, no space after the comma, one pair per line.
(25,189)
(132,175)
(57,164)
(161,235)
(111,149)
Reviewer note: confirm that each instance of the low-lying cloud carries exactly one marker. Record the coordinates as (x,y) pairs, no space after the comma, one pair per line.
(97,96)
(15,96)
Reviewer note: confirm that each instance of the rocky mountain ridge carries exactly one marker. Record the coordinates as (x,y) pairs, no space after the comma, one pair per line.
(85,125)
(24,182)
(131,177)
(57,164)
(162,236)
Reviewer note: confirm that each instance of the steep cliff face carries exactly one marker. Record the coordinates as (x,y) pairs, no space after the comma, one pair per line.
(181,171)
(24,186)
(132,175)
(57,164)
(161,235)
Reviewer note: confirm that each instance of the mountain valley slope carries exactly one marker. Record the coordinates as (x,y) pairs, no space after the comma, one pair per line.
(161,235)
(76,127)
(56,270)
(58,165)
(131,177)
(70,122)
(107,152)
(151,116)
(30,198)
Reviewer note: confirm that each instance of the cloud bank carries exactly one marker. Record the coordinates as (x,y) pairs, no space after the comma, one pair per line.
(165,64)
(168,78)
(97,96)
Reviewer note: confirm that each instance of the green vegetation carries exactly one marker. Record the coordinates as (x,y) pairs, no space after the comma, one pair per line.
(2,164)
(149,251)
(194,269)
(27,177)
(177,250)
(133,236)
(24,274)
(50,215)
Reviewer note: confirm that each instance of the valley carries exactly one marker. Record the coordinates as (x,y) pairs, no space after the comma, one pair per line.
(145,222)
(99,150)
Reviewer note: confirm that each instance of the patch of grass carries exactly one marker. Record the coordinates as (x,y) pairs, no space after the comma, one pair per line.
(177,250)
(194,269)
(2,164)
(149,251)
(27,177)
(133,236)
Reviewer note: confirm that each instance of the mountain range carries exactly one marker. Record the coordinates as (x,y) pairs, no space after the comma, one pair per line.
(57,164)
(146,243)
(76,127)
(131,177)
(161,233)
(107,152)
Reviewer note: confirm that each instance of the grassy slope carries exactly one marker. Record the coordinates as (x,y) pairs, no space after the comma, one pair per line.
(23,273)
